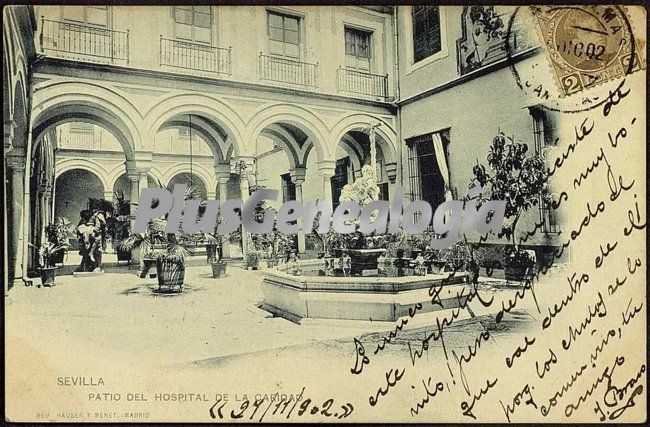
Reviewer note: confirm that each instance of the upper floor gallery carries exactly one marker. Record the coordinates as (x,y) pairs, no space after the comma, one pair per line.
(349,51)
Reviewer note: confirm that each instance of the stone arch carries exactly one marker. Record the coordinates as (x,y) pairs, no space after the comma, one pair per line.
(65,101)
(387,138)
(70,200)
(297,116)
(89,165)
(208,177)
(354,151)
(19,113)
(214,140)
(7,73)
(213,111)
(290,146)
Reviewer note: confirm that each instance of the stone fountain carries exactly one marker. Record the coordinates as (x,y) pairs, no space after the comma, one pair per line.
(350,286)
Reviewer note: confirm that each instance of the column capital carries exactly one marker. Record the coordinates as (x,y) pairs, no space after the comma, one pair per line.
(327,167)
(222,172)
(298,175)
(10,131)
(140,162)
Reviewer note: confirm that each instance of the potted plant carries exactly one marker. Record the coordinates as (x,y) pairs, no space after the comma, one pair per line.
(169,249)
(519,179)
(47,267)
(119,224)
(252,259)
(217,264)
(58,233)
(274,245)
(218,267)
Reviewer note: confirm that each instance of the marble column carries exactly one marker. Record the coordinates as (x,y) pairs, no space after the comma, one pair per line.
(47,208)
(298,178)
(326,169)
(223,176)
(16,177)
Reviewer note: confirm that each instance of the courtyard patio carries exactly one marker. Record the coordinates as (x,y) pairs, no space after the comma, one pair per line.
(119,316)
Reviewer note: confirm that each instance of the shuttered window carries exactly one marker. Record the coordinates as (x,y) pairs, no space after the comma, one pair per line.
(193,23)
(426,31)
(357,49)
(284,35)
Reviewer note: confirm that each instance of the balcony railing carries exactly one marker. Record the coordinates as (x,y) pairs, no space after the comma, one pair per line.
(349,80)
(285,70)
(195,56)
(81,141)
(84,40)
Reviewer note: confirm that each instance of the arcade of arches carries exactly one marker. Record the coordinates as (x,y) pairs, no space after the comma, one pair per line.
(87,148)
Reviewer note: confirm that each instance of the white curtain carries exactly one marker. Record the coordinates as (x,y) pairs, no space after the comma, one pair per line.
(442,163)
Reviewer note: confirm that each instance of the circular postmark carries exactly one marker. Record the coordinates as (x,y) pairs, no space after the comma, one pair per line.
(584,45)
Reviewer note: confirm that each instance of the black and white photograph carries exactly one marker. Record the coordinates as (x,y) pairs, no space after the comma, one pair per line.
(332,213)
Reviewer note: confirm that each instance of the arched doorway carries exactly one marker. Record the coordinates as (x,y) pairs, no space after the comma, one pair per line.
(73,189)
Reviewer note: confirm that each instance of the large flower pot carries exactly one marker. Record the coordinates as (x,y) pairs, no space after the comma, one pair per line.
(171,273)
(218,269)
(47,276)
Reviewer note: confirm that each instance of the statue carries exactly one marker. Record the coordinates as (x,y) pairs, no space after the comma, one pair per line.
(91,233)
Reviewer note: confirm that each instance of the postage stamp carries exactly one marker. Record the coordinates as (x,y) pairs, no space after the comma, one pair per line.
(587,45)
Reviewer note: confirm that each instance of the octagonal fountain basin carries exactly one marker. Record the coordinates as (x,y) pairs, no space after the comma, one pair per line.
(376,299)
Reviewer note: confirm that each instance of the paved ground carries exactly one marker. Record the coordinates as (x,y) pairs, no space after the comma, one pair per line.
(210,318)
(212,336)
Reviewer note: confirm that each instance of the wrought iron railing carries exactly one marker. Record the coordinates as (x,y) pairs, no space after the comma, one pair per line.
(278,69)
(195,56)
(355,81)
(84,41)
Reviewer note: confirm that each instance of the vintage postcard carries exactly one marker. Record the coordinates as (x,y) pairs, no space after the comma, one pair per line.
(330,213)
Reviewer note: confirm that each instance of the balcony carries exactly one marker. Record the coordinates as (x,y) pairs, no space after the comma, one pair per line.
(354,81)
(84,41)
(195,56)
(283,70)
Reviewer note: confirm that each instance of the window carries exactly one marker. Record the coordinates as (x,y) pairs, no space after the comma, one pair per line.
(544,135)
(193,23)
(284,35)
(382,179)
(94,16)
(288,188)
(426,32)
(357,49)
(425,179)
